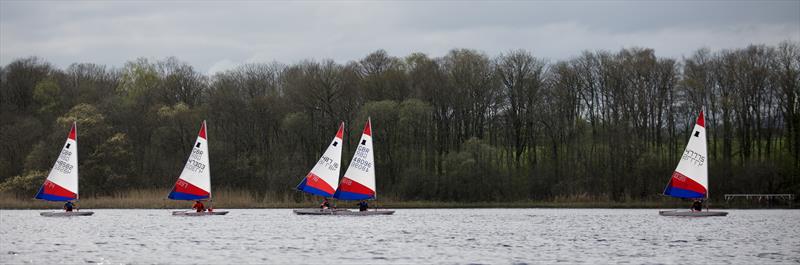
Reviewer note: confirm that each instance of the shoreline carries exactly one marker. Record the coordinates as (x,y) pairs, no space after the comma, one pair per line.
(413,208)
(39,205)
(229,199)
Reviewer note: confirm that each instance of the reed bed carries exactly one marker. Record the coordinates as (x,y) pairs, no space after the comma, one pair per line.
(231,199)
(155,199)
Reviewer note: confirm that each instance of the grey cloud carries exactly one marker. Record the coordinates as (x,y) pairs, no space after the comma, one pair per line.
(215,36)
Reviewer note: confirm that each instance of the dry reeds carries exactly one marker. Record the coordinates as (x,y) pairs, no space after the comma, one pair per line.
(230,198)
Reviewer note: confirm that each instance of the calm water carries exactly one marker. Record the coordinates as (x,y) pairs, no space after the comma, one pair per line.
(449,236)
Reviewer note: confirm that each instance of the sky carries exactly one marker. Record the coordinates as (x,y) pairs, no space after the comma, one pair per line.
(215,36)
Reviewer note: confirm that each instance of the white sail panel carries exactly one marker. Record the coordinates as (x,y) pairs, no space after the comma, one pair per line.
(358,182)
(323,179)
(195,179)
(690,179)
(62,181)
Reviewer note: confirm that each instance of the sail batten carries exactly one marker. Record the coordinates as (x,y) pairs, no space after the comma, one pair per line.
(62,181)
(690,179)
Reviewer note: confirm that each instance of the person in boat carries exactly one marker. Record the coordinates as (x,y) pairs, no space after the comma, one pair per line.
(198,205)
(68,206)
(697,206)
(363,206)
(325,204)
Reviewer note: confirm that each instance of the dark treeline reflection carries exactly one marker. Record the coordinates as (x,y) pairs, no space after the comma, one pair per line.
(462,127)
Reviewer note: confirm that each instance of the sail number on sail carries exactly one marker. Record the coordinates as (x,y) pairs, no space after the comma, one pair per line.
(62,164)
(694,157)
(329,163)
(360,161)
(194,164)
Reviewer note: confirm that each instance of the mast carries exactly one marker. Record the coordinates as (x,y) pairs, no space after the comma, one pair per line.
(705,142)
(375,193)
(77,180)
(210,194)
(372,139)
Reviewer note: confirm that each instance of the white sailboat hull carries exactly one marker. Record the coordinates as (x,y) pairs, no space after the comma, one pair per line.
(63,214)
(195,213)
(692,214)
(341,212)
(319,211)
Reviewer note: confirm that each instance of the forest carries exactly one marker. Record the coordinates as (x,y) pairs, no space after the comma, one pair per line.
(464,127)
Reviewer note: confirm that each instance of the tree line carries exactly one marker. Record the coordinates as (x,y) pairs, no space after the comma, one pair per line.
(462,127)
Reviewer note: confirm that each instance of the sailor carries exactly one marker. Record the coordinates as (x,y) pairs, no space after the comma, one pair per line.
(325,204)
(198,205)
(697,206)
(68,206)
(363,206)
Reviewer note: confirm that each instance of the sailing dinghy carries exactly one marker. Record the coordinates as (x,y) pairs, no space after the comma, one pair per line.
(62,182)
(323,178)
(358,182)
(690,179)
(194,183)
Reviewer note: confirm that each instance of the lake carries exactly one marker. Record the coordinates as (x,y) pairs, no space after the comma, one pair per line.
(449,236)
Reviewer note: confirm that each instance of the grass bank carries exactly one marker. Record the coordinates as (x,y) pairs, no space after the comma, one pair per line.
(232,199)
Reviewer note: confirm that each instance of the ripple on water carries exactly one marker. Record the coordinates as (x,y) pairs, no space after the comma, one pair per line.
(770,255)
(479,236)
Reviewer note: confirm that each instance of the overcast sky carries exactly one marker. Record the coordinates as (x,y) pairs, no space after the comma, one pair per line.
(214,36)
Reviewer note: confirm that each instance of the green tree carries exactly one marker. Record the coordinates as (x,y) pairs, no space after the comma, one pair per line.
(47,94)
(24,186)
